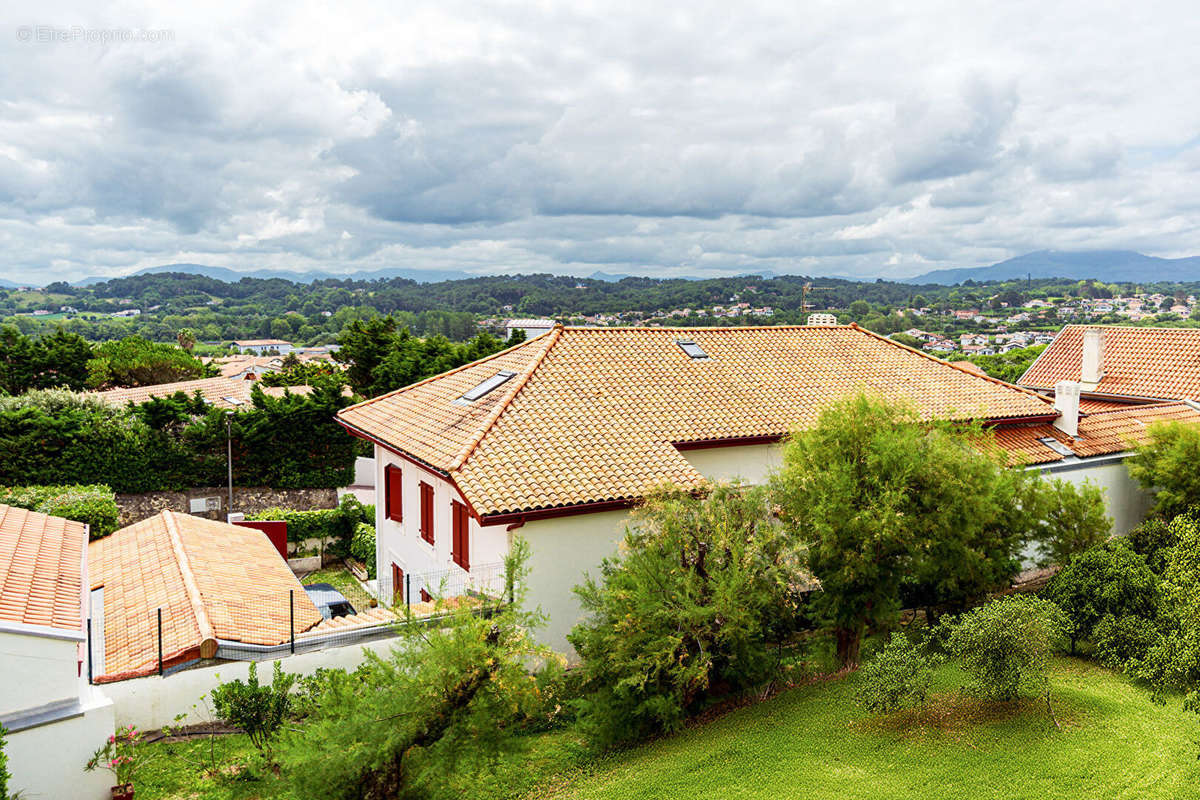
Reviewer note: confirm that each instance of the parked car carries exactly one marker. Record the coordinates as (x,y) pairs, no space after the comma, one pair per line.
(329,601)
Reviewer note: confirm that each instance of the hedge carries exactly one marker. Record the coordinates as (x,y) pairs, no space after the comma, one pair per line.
(362,547)
(336,524)
(170,444)
(94,505)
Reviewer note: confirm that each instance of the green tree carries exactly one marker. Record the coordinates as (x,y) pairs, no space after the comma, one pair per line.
(1073,518)
(429,719)
(257,709)
(1005,645)
(880,497)
(899,675)
(860,309)
(186,339)
(1110,580)
(135,361)
(686,608)
(1166,465)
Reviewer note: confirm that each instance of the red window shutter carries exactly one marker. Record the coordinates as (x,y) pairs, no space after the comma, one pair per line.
(397,585)
(394,492)
(426,512)
(460,545)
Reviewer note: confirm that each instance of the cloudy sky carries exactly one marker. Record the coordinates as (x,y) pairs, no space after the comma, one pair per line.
(686,139)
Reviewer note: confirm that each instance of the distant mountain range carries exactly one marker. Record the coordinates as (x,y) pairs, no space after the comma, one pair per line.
(1110,266)
(233,276)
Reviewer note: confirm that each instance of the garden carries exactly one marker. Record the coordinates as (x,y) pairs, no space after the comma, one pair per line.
(710,664)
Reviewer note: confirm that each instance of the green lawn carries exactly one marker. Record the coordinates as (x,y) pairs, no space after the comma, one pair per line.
(814,743)
(341,579)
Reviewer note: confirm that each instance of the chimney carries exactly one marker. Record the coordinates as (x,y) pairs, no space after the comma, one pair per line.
(1092,369)
(1066,402)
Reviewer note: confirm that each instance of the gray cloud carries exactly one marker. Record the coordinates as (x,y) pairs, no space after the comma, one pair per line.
(639,139)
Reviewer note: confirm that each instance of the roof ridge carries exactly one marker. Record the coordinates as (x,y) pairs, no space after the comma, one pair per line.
(189,579)
(723,328)
(951,364)
(441,375)
(551,339)
(1140,407)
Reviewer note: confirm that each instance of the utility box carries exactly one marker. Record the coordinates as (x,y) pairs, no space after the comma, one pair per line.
(201,505)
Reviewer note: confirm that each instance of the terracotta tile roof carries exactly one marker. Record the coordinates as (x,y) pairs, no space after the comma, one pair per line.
(41,569)
(1100,433)
(211,580)
(259,342)
(593,414)
(213,390)
(1162,363)
(1089,405)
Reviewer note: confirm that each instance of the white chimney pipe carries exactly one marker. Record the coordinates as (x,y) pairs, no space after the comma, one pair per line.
(1066,402)
(1092,369)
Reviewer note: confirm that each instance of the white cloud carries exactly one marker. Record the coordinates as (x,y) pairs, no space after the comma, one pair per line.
(638,138)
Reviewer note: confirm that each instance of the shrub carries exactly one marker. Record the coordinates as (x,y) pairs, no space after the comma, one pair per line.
(1107,580)
(1005,644)
(338,524)
(362,547)
(683,613)
(1121,641)
(1166,465)
(1073,520)
(5,775)
(899,675)
(259,710)
(94,505)
(1153,540)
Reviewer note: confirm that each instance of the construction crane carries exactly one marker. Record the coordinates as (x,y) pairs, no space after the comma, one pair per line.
(805,288)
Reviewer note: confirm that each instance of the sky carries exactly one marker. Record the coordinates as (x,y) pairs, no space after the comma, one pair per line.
(689,139)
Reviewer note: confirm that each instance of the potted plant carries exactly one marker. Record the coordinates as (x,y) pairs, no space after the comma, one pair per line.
(120,755)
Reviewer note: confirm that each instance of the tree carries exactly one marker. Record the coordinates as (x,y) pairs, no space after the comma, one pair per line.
(686,610)
(134,361)
(429,719)
(1005,645)
(899,675)
(879,497)
(1109,580)
(1166,465)
(259,710)
(860,309)
(186,339)
(1073,518)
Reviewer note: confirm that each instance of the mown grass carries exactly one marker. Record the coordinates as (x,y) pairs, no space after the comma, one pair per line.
(341,579)
(813,742)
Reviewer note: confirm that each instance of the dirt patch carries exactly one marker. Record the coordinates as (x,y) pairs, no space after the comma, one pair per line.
(953,713)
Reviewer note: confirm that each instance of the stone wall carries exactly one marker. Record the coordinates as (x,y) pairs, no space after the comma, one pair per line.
(136,507)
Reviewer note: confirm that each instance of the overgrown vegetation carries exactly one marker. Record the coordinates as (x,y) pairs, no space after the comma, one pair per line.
(95,506)
(259,710)
(1005,645)
(1166,466)
(898,676)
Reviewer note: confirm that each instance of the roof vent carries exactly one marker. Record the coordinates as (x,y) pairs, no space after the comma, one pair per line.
(481,389)
(691,348)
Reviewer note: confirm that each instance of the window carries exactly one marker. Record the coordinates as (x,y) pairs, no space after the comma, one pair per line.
(397,585)
(426,512)
(1056,446)
(426,597)
(494,382)
(691,348)
(460,544)
(393,492)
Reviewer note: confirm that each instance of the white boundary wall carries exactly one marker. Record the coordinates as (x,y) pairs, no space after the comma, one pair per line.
(150,703)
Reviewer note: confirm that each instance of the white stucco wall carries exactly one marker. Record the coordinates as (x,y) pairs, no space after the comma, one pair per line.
(1125,501)
(752,463)
(562,551)
(153,702)
(47,762)
(401,543)
(37,671)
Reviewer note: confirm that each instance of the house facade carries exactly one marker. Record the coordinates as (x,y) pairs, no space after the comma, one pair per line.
(556,439)
(54,717)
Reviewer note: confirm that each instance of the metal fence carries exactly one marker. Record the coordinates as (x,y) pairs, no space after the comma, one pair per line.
(272,624)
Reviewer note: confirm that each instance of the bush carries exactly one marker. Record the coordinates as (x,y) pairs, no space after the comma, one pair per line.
(1153,540)
(1107,580)
(259,710)
(4,773)
(1073,520)
(337,524)
(1005,644)
(1166,465)
(362,547)
(1121,641)
(96,506)
(899,675)
(683,614)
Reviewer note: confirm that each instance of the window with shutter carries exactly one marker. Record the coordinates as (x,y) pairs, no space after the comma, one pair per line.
(397,585)
(426,512)
(393,492)
(460,545)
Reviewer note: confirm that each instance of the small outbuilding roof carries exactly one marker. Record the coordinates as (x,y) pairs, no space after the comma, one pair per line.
(41,569)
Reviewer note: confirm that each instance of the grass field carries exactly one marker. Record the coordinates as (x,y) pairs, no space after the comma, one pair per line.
(812,742)
(341,579)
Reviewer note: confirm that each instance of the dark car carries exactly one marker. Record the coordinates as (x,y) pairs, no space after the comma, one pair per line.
(329,601)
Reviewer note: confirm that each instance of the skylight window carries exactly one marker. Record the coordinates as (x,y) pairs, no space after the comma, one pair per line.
(691,348)
(491,384)
(1056,446)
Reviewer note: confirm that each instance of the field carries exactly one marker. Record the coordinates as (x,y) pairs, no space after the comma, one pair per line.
(812,742)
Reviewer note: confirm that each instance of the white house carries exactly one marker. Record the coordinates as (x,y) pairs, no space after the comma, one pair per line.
(262,347)
(555,439)
(56,719)
(531,327)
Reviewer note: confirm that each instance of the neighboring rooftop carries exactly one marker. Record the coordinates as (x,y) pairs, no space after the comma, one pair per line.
(41,569)
(261,342)
(595,414)
(220,392)
(213,581)
(1152,363)
(1100,433)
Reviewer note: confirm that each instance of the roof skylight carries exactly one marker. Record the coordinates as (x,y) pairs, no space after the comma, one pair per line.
(691,348)
(1056,446)
(489,385)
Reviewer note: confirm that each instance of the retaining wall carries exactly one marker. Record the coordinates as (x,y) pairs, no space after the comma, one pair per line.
(135,507)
